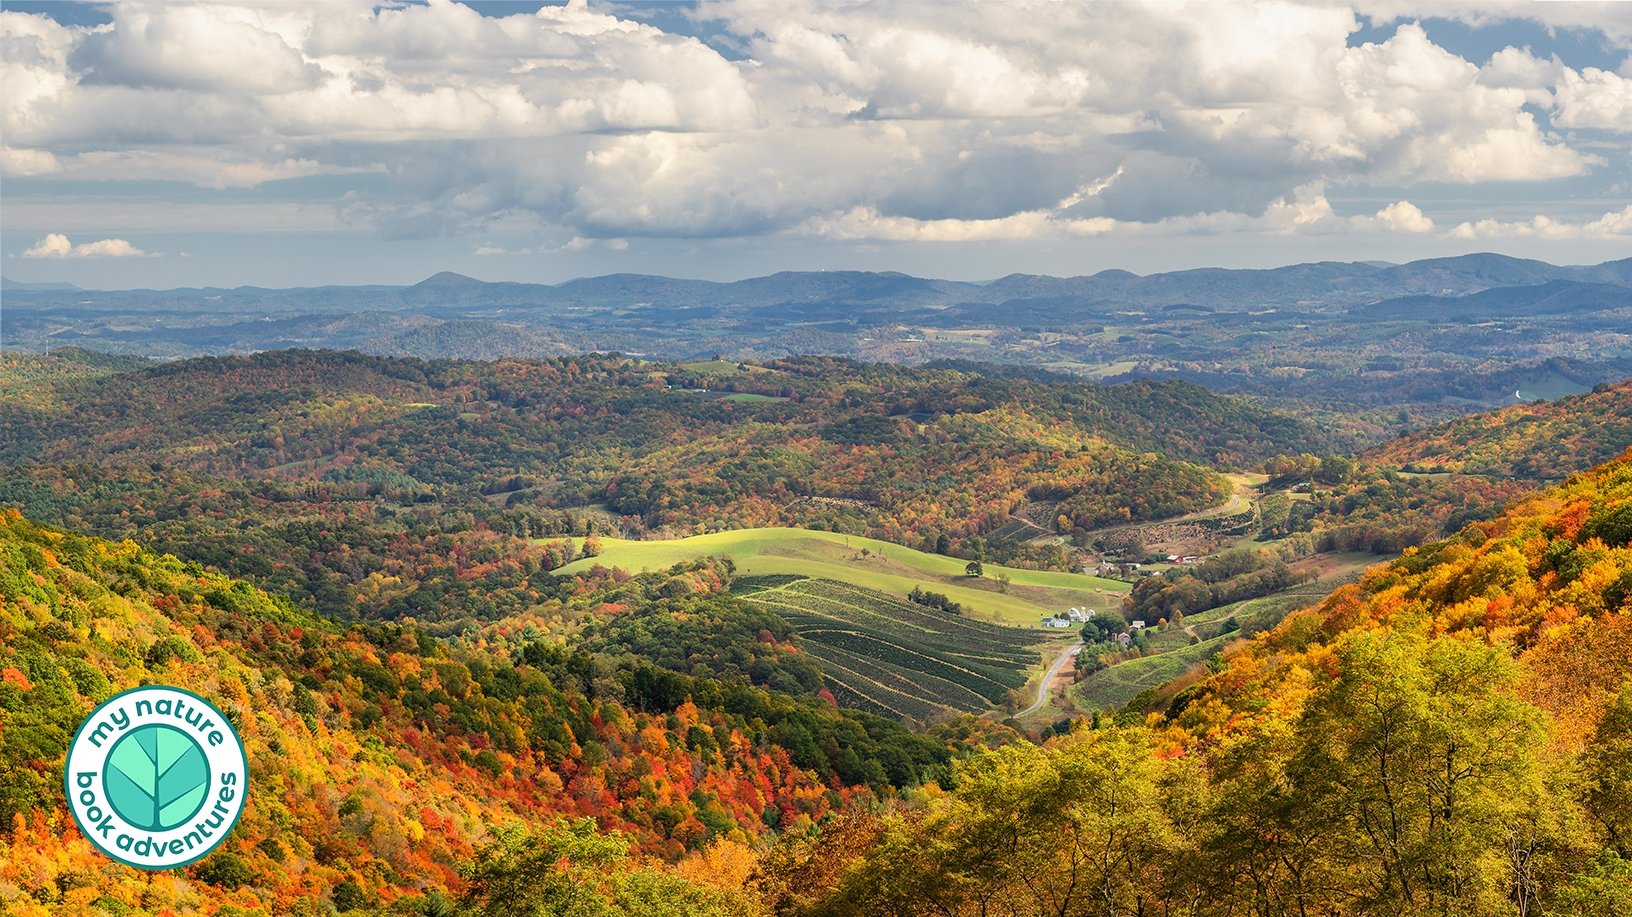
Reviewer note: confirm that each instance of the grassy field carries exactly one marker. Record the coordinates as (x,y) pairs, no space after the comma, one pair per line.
(893,657)
(1117,685)
(1093,370)
(751,398)
(886,567)
(722,367)
(1173,653)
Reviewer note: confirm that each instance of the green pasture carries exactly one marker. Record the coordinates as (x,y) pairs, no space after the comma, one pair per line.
(890,568)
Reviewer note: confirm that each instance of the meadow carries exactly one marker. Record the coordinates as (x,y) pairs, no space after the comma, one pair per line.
(872,564)
(1145,681)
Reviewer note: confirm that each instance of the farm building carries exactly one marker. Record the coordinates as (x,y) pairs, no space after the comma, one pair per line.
(1056,621)
(1080,615)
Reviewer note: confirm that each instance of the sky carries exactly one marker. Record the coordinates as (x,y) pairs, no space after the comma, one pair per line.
(291,144)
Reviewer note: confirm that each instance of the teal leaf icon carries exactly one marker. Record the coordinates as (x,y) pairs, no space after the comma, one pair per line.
(156,777)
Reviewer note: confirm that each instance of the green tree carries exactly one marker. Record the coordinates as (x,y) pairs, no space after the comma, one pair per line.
(1086,826)
(571,869)
(1608,770)
(1422,762)
(560,871)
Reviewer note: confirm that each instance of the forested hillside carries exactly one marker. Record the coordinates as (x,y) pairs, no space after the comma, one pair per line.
(1543,441)
(377,487)
(384,760)
(1452,735)
(1432,482)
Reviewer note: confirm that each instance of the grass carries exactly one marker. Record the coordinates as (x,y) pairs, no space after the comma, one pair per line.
(1093,370)
(886,567)
(751,397)
(1118,684)
(721,367)
(893,657)
(1172,654)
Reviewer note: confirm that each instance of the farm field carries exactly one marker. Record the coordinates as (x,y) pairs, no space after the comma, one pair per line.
(751,398)
(894,657)
(1172,653)
(890,568)
(1093,370)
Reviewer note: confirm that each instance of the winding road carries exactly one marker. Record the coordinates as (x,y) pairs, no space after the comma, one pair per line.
(1043,690)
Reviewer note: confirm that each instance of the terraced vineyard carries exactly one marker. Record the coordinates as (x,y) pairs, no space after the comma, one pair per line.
(894,657)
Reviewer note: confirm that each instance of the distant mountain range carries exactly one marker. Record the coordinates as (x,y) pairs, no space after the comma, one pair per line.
(7,284)
(1264,331)
(1315,286)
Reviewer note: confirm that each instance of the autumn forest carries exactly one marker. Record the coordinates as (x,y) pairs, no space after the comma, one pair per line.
(1325,669)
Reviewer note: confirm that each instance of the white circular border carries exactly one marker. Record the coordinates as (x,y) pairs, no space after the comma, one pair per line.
(227,758)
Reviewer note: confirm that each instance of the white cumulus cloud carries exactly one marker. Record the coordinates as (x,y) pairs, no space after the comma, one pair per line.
(57,245)
(957,121)
(1400,216)
(1615,224)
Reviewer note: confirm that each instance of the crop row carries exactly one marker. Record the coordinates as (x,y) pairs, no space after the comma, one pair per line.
(902,658)
(853,677)
(803,611)
(919,649)
(876,611)
(759,582)
(870,601)
(917,654)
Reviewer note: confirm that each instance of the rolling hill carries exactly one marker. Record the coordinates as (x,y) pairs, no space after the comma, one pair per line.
(390,487)
(1350,332)
(1556,297)
(1542,441)
(383,760)
(1453,734)
(872,564)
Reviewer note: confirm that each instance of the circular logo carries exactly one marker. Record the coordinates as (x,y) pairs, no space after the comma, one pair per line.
(156,777)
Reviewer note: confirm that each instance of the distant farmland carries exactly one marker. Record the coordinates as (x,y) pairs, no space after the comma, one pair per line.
(895,657)
(1030,596)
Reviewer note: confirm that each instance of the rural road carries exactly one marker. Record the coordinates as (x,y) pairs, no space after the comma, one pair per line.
(1048,680)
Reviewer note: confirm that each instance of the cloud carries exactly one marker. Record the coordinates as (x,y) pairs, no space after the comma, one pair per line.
(1400,216)
(909,122)
(201,48)
(1612,225)
(1593,98)
(28,162)
(56,245)
(1613,20)
(1586,98)
(571,246)
(1304,210)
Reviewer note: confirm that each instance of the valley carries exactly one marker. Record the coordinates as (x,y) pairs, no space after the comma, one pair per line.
(721,607)
(684,458)
(448,493)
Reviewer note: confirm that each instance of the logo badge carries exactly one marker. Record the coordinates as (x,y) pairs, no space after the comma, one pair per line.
(156,777)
